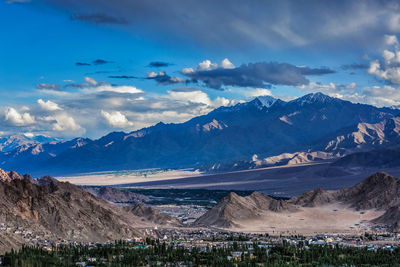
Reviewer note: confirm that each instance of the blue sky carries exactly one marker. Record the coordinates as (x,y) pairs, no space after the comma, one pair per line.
(83,68)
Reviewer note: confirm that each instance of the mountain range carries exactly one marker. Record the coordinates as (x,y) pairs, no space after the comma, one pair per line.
(36,210)
(262,128)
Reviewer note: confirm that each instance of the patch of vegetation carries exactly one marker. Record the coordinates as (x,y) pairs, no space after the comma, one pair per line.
(156,253)
(199,197)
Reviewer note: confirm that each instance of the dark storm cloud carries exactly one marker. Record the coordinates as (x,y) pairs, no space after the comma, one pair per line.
(100,62)
(99,18)
(235,23)
(159,64)
(164,79)
(355,66)
(122,77)
(82,64)
(259,74)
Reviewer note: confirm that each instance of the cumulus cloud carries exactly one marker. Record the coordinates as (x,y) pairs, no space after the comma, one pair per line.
(257,92)
(226,64)
(207,65)
(377,95)
(116,119)
(63,123)
(92,86)
(197,96)
(48,105)
(331,88)
(91,81)
(260,74)
(16,118)
(123,89)
(388,69)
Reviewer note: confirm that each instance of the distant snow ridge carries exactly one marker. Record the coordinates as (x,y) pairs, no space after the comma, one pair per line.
(313,98)
(266,100)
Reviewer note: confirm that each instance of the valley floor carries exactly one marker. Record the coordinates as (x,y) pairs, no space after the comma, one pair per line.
(332,219)
(285,181)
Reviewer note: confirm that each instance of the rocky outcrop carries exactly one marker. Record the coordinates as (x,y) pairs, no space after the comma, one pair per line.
(234,208)
(60,210)
(116,195)
(150,214)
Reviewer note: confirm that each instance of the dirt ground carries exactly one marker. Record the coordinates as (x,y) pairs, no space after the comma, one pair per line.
(333,219)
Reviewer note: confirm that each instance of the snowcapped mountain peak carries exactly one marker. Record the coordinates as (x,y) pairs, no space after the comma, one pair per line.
(314,98)
(266,100)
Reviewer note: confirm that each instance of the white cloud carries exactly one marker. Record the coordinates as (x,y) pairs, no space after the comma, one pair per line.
(257,92)
(48,105)
(85,109)
(63,123)
(29,135)
(391,40)
(114,88)
(331,89)
(191,96)
(151,74)
(199,97)
(226,64)
(55,92)
(91,81)
(92,86)
(207,65)
(381,96)
(17,119)
(389,68)
(116,119)
(187,70)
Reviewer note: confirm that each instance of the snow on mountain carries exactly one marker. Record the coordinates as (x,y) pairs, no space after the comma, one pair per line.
(264,126)
(266,100)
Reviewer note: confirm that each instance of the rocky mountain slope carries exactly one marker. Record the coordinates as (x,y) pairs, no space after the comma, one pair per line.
(379,191)
(264,127)
(390,218)
(20,142)
(365,136)
(60,210)
(148,213)
(46,209)
(382,158)
(234,208)
(116,195)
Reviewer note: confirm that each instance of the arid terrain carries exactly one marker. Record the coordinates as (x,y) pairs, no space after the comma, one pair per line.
(333,219)
(45,211)
(126,177)
(289,180)
(354,209)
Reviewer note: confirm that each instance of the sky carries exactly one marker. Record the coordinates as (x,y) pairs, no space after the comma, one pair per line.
(73,68)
